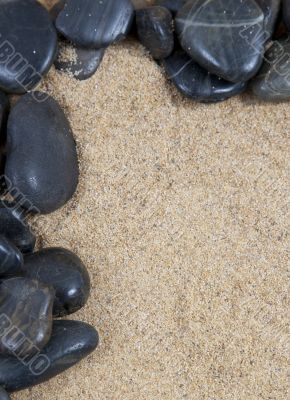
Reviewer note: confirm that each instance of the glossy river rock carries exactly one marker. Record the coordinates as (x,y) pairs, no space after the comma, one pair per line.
(95,24)
(26,306)
(28,44)
(155,31)
(195,82)
(220,35)
(70,342)
(65,272)
(41,153)
(273,80)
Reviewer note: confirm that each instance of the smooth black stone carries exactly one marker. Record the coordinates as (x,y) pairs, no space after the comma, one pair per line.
(4,395)
(15,228)
(28,44)
(172,5)
(224,38)
(271,9)
(27,305)
(273,80)
(71,341)
(41,154)
(155,31)
(83,63)
(286,13)
(95,24)
(196,83)
(65,272)
(11,259)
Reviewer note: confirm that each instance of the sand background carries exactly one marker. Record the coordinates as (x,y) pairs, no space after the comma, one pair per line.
(180,216)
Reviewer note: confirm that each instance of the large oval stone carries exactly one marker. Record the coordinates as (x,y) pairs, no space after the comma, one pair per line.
(65,272)
(155,31)
(13,226)
(4,395)
(95,24)
(195,82)
(286,13)
(273,80)
(70,342)
(28,44)
(41,153)
(225,39)
(11,259)
(25,316)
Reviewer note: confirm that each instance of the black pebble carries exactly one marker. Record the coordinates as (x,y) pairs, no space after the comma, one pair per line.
(221,37)
(13,225)
(26,308)
(28,44)
(41,154)
(155,30)
(65,272)
(95,24)
(4,395)
(82,64)
(11,259)
(273,80)
(195,82)
(286,13)
(70,342)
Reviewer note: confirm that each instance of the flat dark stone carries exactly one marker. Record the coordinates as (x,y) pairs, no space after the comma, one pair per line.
(172,5)
(95,24)
(273,80)
(271,9)
(41,154)
(155,30)
(27,307)
(28,44)
(195,82)
(71,341)
(65,272)
(286,13)
(11,259)
(4,395)
(13,225)
(225,39)
(56,9)
(80,62)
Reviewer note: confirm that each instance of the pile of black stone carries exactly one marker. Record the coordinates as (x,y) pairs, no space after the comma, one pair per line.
(35,288)
(215,49)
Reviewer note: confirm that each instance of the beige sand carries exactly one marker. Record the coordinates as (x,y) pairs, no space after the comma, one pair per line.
(180,217)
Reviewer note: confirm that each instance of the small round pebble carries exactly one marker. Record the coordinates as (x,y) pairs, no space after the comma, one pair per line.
(155,31)
(65,272)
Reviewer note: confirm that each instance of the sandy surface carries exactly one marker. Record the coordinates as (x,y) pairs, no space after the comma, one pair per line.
(180,216)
